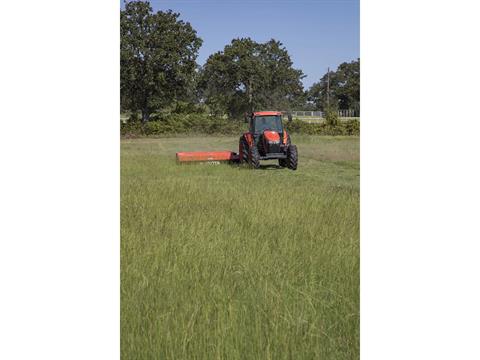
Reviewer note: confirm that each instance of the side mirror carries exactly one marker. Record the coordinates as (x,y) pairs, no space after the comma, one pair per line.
(245,118)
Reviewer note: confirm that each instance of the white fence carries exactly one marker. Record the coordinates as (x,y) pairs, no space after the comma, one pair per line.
(319,114)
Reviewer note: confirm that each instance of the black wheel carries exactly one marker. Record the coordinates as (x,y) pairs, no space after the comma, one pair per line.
(243,150)
(282,162)
(292,157)
(254,157)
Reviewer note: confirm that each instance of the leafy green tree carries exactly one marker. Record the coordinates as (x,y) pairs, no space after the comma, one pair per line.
(157,58)
(344,88)
(248,75)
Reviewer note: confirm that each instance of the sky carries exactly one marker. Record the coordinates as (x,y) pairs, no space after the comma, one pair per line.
(317,33)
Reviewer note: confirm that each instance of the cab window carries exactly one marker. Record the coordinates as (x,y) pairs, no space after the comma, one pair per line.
(271,122)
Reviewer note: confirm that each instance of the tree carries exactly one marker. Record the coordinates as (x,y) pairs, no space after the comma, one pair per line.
(247,75)
(344,88)
(157,58)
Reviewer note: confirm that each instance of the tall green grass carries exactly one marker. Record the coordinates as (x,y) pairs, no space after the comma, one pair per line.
(224,262)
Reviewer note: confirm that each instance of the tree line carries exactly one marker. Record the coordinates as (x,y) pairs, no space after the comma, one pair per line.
(158,68)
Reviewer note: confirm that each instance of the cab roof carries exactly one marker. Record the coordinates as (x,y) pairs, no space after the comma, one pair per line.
(267,113)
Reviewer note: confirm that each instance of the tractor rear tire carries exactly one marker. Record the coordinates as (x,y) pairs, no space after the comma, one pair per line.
(243,150)
(254,157)
(292,157)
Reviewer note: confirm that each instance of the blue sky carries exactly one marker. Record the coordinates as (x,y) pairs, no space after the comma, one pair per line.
(317,33)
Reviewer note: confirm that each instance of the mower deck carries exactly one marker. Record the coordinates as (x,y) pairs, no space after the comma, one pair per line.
(194,156)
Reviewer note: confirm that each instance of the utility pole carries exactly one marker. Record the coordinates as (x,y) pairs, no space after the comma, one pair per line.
(328,88)
(250,94)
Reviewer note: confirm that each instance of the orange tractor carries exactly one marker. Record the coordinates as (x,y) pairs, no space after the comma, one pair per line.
(266,139)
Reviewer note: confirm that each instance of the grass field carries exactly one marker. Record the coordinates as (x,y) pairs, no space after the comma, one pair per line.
(224,262)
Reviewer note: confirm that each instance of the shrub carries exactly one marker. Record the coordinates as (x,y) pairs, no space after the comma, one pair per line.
(176,123)
(195,123)
(331,117)
(349,127)
(131,129)
(352,127)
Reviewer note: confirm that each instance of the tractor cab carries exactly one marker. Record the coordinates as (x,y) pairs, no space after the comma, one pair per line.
(262,121)
(267,130)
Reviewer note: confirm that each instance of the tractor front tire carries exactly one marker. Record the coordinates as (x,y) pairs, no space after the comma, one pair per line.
(243,150)
(254,157)
(292,157)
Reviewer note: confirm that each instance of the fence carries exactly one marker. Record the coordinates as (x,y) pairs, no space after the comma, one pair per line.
(319,114)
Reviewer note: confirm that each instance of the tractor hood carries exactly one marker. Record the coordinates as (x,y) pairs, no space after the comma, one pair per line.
(271,136)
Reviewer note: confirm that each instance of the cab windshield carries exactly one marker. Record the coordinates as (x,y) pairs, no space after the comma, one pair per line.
(271,122)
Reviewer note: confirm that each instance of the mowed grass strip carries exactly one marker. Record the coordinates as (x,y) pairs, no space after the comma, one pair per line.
(225,262)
